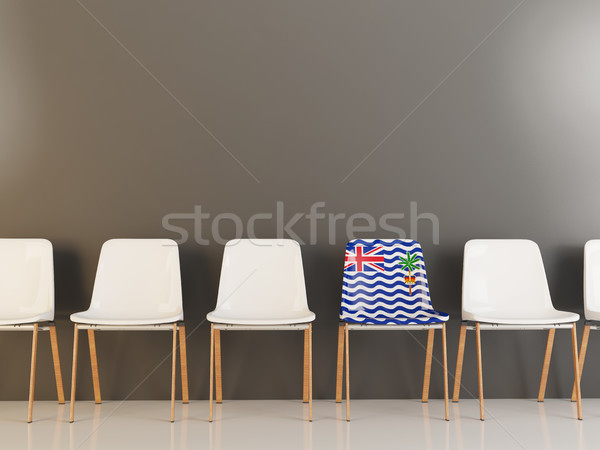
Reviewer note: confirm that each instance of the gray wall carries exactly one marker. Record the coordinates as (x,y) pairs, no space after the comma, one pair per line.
(103,131)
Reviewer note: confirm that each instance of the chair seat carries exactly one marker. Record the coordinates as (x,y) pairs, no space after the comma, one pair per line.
(217,316)
(17,319)
(103,318)
(592,315)
(419,316)
(523,318)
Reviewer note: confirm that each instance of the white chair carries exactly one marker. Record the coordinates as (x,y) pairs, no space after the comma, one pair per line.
(385,288)
(261,288)
(591,299)
(505,288)
(137,288)
(27,299)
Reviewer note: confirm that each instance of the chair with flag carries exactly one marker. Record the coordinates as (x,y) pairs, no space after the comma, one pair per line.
(385,288)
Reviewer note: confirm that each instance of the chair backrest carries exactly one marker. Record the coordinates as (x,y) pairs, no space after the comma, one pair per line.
(504,276)
(385,282)
(261,279)
(591,277)
(26,277)
(138,278)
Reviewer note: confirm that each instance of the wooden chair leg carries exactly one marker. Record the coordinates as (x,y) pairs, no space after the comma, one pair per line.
(582,352)
(211,376)
(310,381)
(459,362)
(32,374)
(479,371)
(546,366)
(74,373)
(305,374)
(347,372)
(94,364)
(173,372)
(56,360)
(218,377)
(428,358)
(185,394)
(340,365)
(446,406)
(576,370)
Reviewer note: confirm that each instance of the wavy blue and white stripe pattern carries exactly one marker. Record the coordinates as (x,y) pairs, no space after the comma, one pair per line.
(382,297)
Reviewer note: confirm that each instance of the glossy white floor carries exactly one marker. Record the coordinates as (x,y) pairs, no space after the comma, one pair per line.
(277,424)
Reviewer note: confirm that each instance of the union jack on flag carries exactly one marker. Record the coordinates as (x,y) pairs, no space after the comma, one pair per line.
(362,261)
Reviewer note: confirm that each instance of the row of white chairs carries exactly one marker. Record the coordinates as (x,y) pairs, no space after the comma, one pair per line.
(262,287)
(138,288)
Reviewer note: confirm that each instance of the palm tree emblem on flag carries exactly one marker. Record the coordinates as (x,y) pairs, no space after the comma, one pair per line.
(409,263)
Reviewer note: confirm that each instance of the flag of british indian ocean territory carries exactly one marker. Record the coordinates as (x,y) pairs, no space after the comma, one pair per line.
(385,283)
